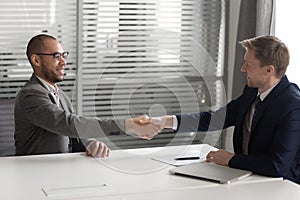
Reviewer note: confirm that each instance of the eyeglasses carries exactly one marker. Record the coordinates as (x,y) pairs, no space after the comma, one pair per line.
(56,55)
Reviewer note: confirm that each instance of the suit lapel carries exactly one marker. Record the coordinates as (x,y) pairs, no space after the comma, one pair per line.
(65,104)
(245,105)
(279,88)
(258,113)
(34,80)
(62,101)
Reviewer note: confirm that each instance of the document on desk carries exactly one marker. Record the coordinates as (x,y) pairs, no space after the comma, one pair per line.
(192,156)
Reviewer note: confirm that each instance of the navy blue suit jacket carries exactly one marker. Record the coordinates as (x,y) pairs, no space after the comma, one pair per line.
(274,146)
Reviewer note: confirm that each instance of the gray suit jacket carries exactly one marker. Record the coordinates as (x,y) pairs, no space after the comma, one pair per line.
(43,127)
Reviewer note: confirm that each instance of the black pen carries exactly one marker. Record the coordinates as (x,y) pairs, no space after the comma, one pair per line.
(188,158)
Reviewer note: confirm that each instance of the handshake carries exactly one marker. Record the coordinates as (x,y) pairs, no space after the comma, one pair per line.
(148,127)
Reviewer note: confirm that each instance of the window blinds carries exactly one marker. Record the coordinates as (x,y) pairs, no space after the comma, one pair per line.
(151,57)
(22,19)
(127,57)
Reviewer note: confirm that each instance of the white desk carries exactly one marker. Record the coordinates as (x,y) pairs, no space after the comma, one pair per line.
(130,174)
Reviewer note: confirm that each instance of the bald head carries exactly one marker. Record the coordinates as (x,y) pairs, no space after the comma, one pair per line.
(36,45)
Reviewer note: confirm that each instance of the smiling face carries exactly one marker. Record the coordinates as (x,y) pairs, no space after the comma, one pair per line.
(258,76)
(266,61)
(48,67)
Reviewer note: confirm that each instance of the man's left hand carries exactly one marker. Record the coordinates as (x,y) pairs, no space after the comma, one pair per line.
(220,157)
(97,149)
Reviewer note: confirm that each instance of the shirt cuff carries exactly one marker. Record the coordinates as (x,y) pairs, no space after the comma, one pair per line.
(175,122)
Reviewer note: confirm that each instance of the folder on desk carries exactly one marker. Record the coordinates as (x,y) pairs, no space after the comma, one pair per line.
(211,172)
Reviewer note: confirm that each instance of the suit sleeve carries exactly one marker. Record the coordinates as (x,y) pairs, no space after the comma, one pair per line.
(42,112)
(209,121)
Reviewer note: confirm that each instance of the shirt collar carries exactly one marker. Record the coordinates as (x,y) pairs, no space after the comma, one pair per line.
(48,85)
(266,93)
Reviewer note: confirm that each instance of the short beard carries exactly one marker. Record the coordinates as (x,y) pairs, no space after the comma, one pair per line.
(59,80)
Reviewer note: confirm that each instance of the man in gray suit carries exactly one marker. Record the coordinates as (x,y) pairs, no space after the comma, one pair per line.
(44,118)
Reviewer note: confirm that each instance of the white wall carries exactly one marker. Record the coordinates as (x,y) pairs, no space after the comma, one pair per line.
(286,29)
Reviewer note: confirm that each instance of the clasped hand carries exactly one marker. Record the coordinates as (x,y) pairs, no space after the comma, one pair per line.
(144,126)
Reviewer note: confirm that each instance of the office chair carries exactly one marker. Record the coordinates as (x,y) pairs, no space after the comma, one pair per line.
(7,144)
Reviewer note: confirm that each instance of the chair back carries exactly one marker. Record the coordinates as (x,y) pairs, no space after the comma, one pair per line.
(7,127)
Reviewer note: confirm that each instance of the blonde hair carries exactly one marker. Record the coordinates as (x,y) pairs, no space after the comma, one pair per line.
(269,50)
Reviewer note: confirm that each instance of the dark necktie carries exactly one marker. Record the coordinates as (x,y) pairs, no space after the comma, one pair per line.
(57,98)
(257,106)
(246,125)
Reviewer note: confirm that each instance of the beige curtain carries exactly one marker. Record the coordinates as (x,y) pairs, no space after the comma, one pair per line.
(256,18)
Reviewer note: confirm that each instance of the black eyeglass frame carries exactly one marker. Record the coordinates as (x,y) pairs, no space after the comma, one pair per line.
(56,55)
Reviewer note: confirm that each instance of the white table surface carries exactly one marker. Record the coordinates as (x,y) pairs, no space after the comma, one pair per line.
(269,190)
(126,174)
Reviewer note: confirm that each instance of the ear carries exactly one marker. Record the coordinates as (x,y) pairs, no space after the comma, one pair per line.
(36,61)
(271,69)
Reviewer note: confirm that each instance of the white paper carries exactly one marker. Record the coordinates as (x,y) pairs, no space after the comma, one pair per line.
(171,159)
